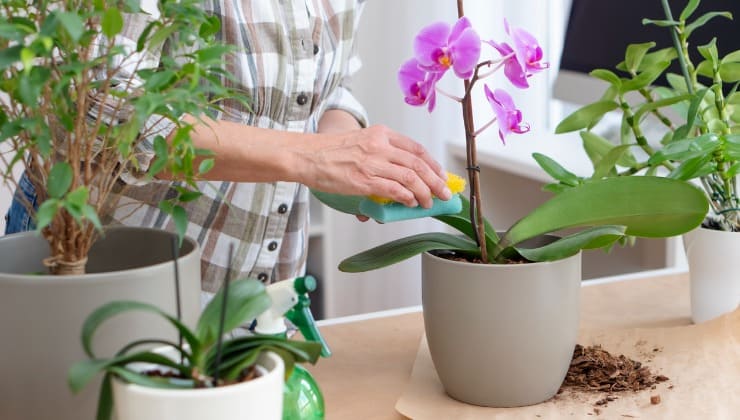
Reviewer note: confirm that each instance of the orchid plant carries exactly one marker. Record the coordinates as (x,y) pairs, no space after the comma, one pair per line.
(608,210)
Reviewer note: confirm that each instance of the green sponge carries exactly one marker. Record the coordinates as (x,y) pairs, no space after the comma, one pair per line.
(393,212)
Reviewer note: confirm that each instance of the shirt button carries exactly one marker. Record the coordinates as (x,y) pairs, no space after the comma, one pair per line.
(262,277)
(272,246)
(315,49)
(283,208)
(302,99)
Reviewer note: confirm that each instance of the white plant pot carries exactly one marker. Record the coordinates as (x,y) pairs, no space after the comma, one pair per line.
(259,399)
(714,270)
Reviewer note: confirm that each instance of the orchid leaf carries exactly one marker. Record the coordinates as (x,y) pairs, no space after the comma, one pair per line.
(597,147)
(592,238)
(246,299)
(639,203)
(585,116)
(461,222)
(682,150)
(555,170)
(404,248)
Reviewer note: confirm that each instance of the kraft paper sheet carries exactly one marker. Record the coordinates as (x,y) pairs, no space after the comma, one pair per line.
(702,362)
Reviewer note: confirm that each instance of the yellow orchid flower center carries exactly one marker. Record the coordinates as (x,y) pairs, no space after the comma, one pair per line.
(445,60)
(455,183)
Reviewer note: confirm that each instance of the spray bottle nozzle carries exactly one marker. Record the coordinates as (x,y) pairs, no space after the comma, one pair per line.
(300,314)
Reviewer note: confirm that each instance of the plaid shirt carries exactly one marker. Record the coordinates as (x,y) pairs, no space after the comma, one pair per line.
(295,59)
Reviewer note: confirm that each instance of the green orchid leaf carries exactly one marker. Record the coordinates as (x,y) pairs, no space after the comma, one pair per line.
(585,116)
(703,19)
(111,309)
(555,170)
(732,146)
(646,78)
(150,381)
(686,149)
(646,206)
(729,72)
(246,299)
(461,222)
(695,167)
(597,147)
(404,248)
(607,76)
(634,55)
(662,23)
(689,9)
(607,164)
(652,106)
(592,238)
(349,204)
(683,131)
(653,59)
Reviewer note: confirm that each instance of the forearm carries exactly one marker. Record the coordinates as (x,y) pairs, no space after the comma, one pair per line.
(337,121)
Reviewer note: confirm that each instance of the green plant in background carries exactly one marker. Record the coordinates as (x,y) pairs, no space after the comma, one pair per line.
(65,70)
(204,361)
(701,131)
(608,210)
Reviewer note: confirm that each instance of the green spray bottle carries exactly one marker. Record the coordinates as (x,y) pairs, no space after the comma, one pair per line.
(302,399)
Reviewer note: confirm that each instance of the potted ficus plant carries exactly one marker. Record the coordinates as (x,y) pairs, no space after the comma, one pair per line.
(695,128)
(501,306)
(208,374)
(83,100)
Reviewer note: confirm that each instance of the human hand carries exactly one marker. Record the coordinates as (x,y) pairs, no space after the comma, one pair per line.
(372,161)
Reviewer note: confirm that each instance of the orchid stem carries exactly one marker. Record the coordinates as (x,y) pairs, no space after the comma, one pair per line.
(449,95)
(482,129)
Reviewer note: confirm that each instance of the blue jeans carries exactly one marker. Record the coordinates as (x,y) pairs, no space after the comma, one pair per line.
(18,219)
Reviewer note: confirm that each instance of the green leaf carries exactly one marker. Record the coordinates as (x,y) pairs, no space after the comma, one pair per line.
(112,309)
(607,164)
(607,76)
(689,9)
(349,204)
(662,23)
(680,150)
(46,212)
(703,19)
(591,238)
(729,72)
(105,399)
(404,248)
(10,56)
(180,217)
(555,170)
(694,167)
(634,55)
(72,24)
(646,206)
(112,22)
(246,299)
(645,78)
(60,179)
(89,213)
(461,222)
(652,106)
(206,165)
(597,147)
(683,131)
(655,58)
(585,116)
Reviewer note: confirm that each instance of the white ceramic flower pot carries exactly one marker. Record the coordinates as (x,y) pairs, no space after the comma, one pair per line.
(501,335)
(259,399)
(714,270)
(41,316)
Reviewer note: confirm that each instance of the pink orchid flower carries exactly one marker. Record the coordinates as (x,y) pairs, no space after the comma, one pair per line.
(417,85)
(509,118)
(438,47)
(525,56)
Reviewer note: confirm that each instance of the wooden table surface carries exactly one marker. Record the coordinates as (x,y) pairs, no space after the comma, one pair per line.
(372,358)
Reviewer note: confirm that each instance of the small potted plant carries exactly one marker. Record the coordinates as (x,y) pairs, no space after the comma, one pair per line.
(210,375)
(697,138)
(501,305)
(66,68)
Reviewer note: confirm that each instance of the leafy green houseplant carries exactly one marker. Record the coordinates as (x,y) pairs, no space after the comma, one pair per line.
(81,104)
(697,115)
(697,139)
(206,360)
(608,210)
